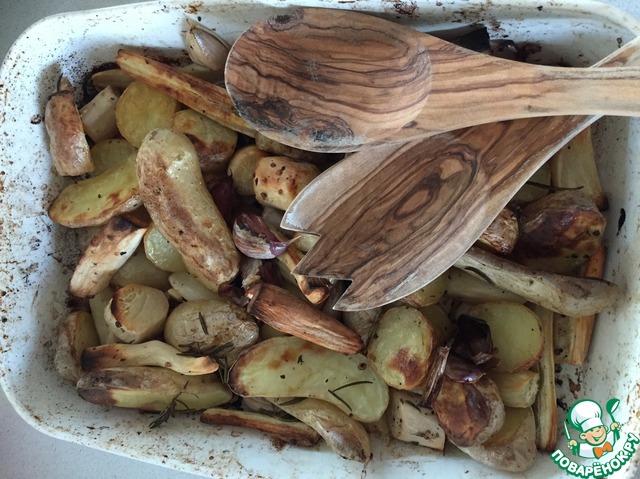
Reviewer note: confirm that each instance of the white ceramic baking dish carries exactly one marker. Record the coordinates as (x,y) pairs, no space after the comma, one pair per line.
(37,256)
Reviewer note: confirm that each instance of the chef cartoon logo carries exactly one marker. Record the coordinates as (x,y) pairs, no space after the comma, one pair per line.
(593,439)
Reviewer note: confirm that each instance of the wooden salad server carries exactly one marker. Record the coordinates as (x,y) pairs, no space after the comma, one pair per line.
(335,80)
(391,218)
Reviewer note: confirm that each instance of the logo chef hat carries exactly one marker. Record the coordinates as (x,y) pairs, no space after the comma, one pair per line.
(585,415)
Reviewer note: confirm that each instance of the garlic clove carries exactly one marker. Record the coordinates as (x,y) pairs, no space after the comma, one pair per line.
(253,237)
(205,47)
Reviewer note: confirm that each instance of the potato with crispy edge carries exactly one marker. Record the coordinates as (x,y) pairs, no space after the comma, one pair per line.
(67,143)
(136,313)
(516,389)
(75,333)
(343,434)
(401,347)
(278,180)
(292,367)
(173,191)
(290,432)
(108,250)
(96,200)
(150,388)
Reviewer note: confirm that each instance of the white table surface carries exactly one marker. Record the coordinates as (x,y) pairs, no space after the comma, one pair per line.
(25,452)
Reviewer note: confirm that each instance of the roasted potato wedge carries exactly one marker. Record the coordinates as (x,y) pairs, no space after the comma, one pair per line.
(99,115)
(152,389)
(107,153)
(401,347)
(516,332)
(213,142)
(344,435)
(285,430)
(98,304)
(174,193)
(75,333)
(136,313)
(213,326)
(292,367)
(109,249)
(96,200)
(409,422)
(150,353)
(516,389)
(141,109)
(68,146)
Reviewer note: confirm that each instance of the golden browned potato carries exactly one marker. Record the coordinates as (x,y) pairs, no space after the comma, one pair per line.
(150,388)
(142,108)
(137,313)
(96,200)
(67,143)
(174,193)
(401,347)
(278,180)
(292,367)
(560,231)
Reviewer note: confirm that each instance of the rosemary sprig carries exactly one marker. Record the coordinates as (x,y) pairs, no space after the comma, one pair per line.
(170,410)
(335,395)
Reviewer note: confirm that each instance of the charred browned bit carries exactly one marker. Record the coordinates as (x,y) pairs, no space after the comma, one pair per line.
(285,430)
(285,312)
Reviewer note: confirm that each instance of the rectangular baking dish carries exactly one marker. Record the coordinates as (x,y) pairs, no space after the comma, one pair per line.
(38,256)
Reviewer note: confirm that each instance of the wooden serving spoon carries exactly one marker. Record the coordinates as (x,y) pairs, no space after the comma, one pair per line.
(394,217)
(335,80)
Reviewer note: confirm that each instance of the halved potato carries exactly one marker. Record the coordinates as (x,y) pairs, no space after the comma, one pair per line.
(401,347)
(141,109)
(99,115)
(409,422)
(469,413)
(213,326)
(137,313)
(190,287)
(516,389)
(516,332)
(278,180)
(242,167)
(96,200)
(291,367)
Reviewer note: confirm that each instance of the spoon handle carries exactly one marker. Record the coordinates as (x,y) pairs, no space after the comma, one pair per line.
(489,89)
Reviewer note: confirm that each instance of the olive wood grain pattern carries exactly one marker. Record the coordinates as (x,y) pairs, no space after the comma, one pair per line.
(335,80)
(394,217)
